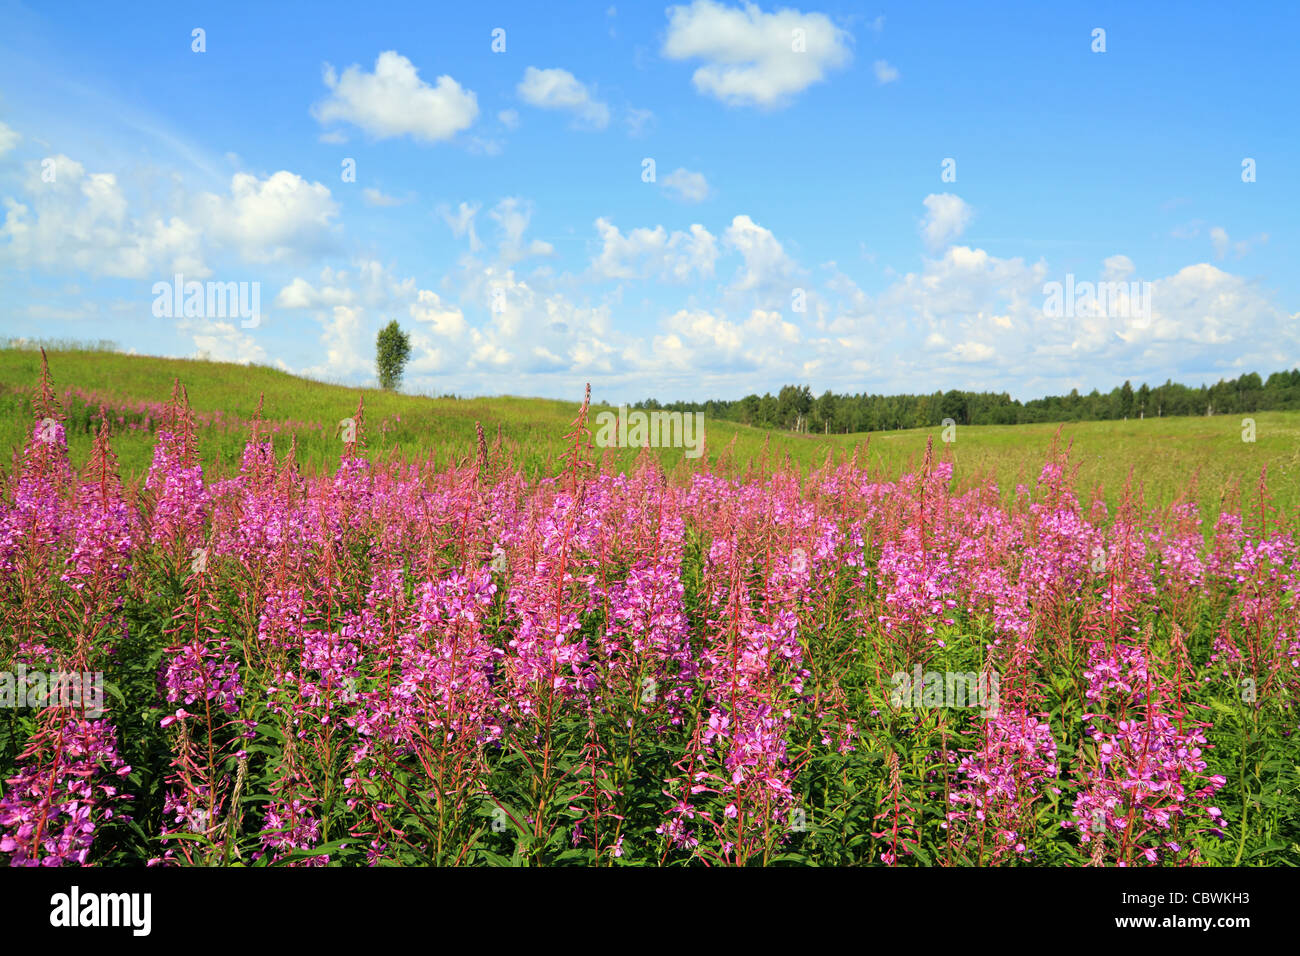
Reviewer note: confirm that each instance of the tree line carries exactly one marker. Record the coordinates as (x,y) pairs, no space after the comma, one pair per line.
(796,408)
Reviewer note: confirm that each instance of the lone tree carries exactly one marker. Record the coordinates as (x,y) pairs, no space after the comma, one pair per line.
(392,349)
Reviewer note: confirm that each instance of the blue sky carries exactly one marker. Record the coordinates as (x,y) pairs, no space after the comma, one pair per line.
(501,210)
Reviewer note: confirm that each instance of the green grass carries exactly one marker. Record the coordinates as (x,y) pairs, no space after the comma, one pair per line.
(1169,458)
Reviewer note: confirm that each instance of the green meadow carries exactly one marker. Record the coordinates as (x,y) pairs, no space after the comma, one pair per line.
(1165,459)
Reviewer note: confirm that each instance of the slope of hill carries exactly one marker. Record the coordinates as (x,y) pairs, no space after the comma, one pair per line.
(1170,458)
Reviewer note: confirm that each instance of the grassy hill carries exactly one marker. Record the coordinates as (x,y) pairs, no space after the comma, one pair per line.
(1169,457)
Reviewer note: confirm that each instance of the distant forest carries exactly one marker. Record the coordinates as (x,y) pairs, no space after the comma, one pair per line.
(797,409)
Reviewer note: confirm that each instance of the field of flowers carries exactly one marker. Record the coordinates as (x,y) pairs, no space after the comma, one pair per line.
(394,662)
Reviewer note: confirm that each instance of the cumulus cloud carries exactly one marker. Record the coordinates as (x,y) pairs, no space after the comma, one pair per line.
(393,101)
(1204,305)
(645,253)
(766,264)
(969,307)
(557,89)
(965,318)
(351,305)
(531,331)
(702,340)
(752,58)
(686,185)
(946,217)
(332,290)
(702,327)
(273,218)
(81,221)
(445,320)
(972,352)
(344,340)
(966,287)
(528,328)
(70,219)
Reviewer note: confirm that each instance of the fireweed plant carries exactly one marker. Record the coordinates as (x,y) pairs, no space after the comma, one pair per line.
(403,662)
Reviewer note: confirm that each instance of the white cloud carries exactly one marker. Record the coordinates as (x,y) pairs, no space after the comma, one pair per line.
(968,319)
(529,329)
(272,218)
(301,294)
(972,352)
(699,340)
(1117,268)
(446,321)
(84,220)
(81,221)
(704,328)
(971,307)
(509,118)
(686,185)
(885,73)
(8,138)
(489,353)
(965,282)
(461,223)
(766,263)
(557,89)
(298,294)
(373,197)
(1204,305)
(1223,244)
(394,101)
(512,215)
(352,305)
(638,121)
(346,343)
(947,216)
(222,341)
(771,327)
(1219,236)
(751,57)
(645,253)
